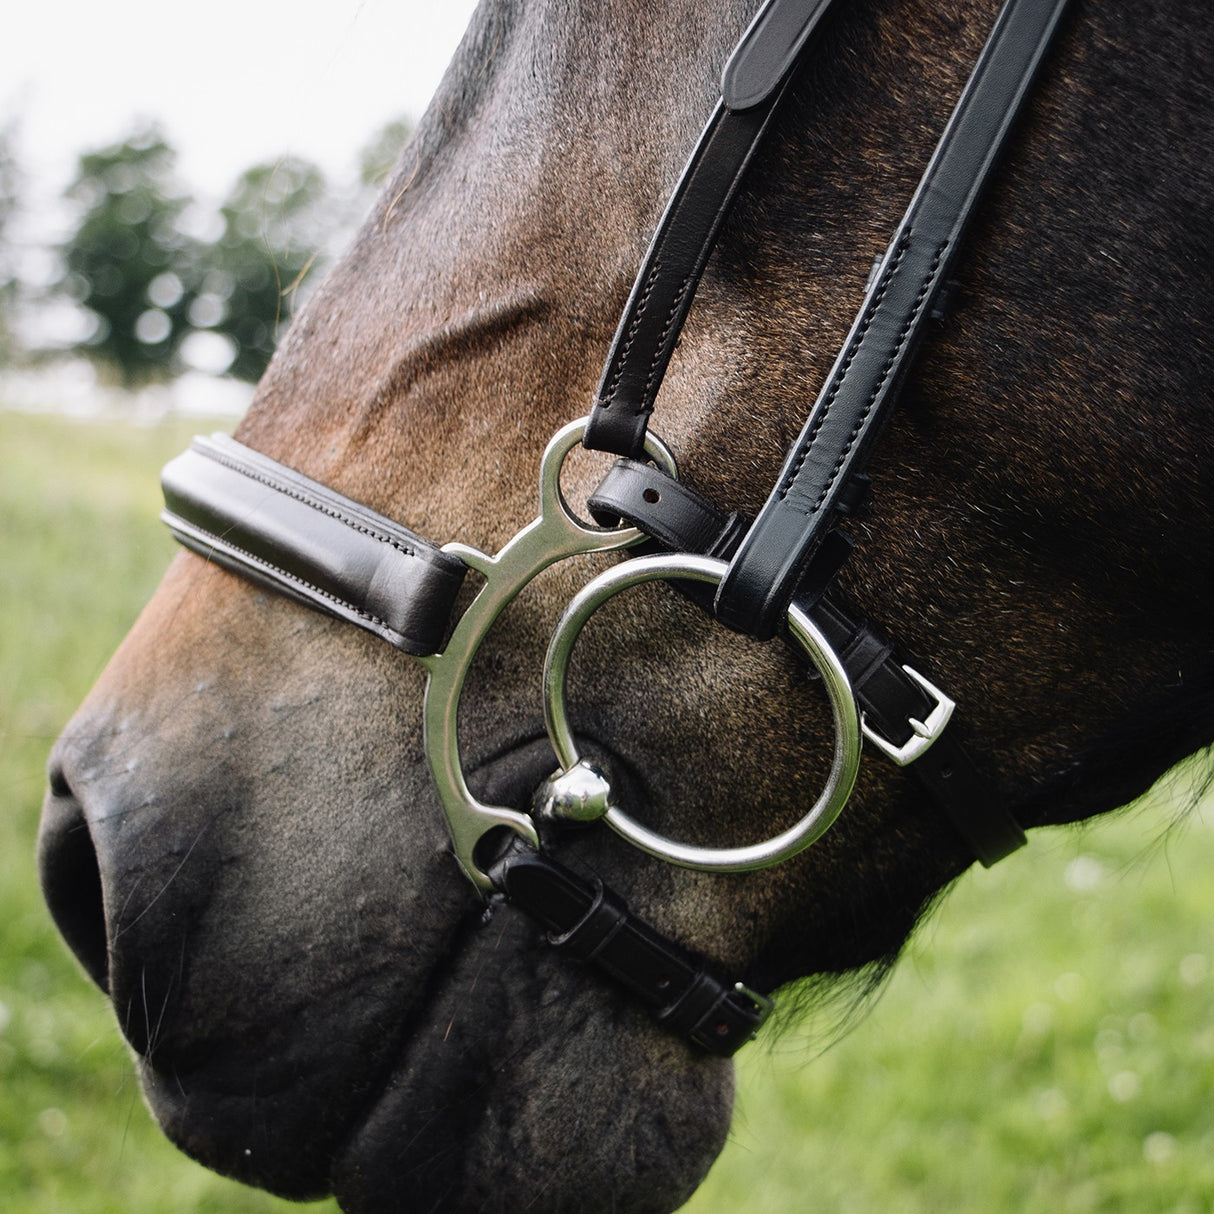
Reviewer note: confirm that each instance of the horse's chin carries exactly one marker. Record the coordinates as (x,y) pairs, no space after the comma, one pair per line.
(522,1075)
(577,1100)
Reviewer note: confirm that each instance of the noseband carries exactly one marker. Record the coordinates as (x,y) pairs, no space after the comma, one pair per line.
(765,576)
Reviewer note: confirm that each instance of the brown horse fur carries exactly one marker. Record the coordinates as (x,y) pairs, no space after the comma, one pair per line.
(241,839)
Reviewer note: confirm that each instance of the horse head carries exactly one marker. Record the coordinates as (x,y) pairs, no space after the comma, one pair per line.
(243,842)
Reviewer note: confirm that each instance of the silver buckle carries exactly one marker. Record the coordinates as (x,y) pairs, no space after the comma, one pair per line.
(925,732)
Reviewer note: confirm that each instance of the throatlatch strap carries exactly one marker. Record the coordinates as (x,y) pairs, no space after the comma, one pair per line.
(859,394)
(594,925)
(754,83)
(269,523)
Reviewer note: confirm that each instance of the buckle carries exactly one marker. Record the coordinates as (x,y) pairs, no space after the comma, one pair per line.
(764,1005)
(923,734)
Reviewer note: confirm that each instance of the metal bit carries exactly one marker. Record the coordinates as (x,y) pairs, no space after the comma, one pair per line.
(581,794)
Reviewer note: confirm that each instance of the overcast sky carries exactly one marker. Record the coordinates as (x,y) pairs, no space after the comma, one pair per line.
(232,81)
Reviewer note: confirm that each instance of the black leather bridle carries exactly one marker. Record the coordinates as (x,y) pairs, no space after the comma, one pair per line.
(253,515)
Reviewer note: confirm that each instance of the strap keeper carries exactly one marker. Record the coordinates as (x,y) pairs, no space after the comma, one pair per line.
(687,1013)
(769,50)
(595,930)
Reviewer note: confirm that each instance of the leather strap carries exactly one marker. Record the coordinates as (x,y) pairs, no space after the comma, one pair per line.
(682,520)
(862,388)
(593,924)
(756,79)
(891,699)
(269,523)
(769,50)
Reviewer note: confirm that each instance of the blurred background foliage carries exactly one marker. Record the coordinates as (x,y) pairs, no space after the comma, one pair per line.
(11,187)
(128,263)
(275,220)
(155,280)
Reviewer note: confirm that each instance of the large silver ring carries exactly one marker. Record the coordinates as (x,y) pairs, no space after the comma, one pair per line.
(844,766)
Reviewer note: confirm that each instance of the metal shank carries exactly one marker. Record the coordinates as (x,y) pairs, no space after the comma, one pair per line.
(846,759)
(556,534)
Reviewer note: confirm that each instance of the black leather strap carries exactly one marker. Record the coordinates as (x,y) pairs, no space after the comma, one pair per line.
(672,513)
(859,394)
(267,522)
(683,520)
(756,80)
(769,50)
(587,920)
(891,698)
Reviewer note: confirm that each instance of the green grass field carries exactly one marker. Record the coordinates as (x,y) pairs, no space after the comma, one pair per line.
(1047,1043)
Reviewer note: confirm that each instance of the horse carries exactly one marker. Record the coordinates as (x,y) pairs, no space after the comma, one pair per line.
(242,841)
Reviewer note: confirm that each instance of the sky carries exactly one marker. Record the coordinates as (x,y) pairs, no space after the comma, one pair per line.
(233,82)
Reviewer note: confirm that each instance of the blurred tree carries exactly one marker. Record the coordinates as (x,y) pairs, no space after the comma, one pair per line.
(159,298)
(11,183)
(128,262)
(378,158)
(275,220)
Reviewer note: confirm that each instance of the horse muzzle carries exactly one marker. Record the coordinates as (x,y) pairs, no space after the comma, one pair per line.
(335,1016)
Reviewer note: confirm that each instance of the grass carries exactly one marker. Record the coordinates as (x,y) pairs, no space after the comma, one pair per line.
(1046,1044)
(80,552)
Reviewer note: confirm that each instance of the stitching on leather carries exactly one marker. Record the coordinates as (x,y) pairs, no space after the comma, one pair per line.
(888,366)
(853,350)
(659,345)
(291,491)
(608,397)
(222,545)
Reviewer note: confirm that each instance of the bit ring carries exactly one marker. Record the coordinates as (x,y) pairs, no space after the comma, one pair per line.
(846,717)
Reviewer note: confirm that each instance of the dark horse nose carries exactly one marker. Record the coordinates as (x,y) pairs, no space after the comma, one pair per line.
(71,878)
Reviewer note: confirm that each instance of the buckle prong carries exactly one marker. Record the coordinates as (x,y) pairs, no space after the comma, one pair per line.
(764,1004)
(924,733)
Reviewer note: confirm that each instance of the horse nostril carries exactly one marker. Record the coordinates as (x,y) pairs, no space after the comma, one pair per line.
(58,782)
(71,879)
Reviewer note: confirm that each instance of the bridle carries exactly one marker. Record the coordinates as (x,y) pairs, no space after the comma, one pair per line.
(764,576)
